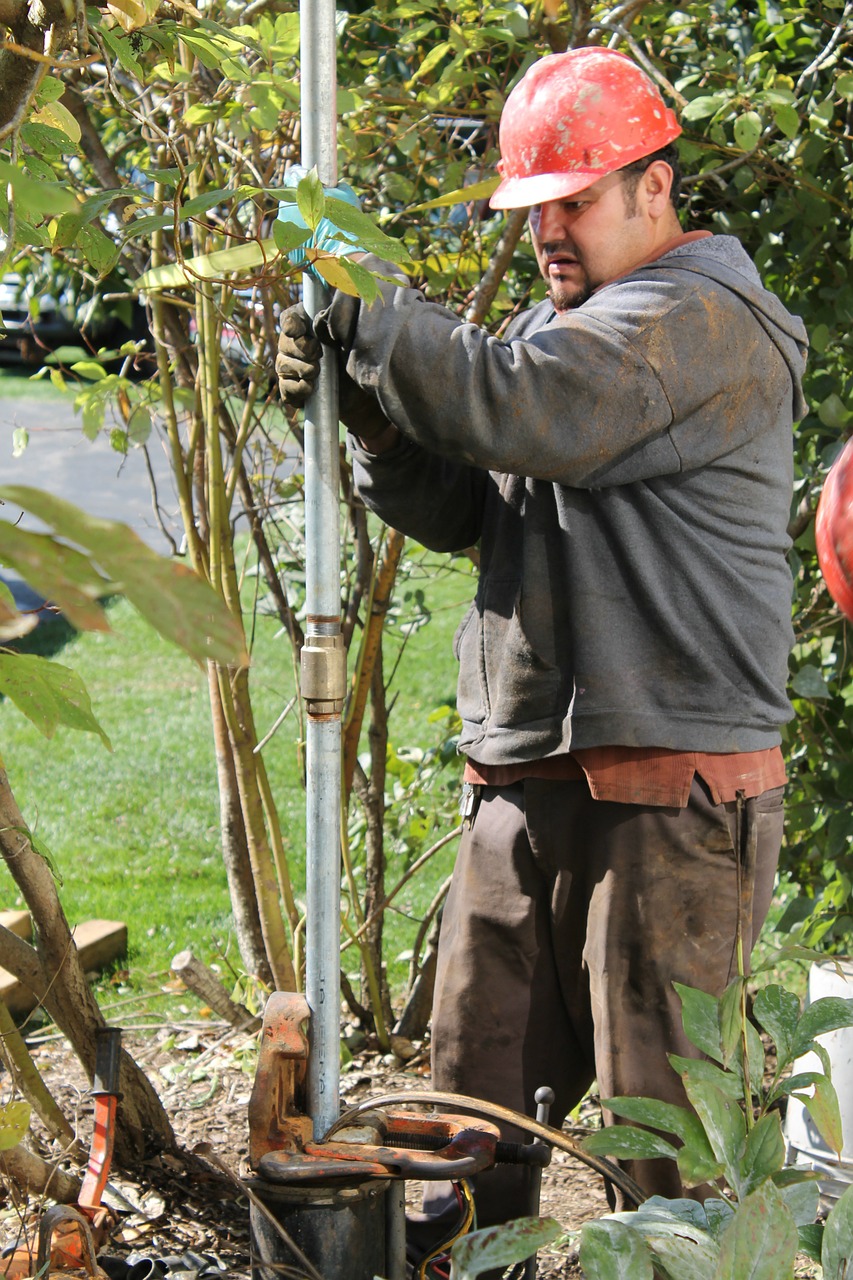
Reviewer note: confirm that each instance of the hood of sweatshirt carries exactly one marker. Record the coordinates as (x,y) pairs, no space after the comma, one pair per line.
(724,260)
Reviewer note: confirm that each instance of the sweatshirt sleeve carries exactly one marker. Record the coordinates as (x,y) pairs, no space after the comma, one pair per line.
(563,404)
(432,499)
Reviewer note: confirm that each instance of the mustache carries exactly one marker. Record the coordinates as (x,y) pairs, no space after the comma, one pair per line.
(559,249)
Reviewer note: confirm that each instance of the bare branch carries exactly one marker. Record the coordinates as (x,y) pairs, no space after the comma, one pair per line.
(821,58)
(500,260)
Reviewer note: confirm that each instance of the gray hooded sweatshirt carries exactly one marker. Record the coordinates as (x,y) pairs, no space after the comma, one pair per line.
(627,470)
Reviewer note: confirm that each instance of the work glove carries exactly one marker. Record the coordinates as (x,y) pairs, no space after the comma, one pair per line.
(297,364)
(297,367)
(326,235)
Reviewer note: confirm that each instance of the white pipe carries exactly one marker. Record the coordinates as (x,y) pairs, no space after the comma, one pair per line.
(323,629)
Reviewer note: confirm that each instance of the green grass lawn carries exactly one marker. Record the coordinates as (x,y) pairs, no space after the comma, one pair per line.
(135,832)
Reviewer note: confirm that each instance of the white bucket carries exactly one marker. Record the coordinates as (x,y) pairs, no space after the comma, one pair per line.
(805,1144)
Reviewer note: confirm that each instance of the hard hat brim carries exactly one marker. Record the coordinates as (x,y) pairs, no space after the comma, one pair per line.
(539,188)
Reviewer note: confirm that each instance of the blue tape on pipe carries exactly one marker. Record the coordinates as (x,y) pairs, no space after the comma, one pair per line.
(326,234)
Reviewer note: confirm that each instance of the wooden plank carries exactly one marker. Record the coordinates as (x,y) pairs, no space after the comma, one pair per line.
(98,942)
(18,922)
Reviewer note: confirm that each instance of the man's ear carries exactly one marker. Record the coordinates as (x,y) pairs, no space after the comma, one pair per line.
(656,186)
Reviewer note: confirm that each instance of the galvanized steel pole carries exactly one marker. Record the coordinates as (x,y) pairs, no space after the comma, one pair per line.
(323,659)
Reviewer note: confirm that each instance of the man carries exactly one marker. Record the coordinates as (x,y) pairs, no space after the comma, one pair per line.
(623,457)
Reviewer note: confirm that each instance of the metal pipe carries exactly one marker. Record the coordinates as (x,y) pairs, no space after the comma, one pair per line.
(323,669)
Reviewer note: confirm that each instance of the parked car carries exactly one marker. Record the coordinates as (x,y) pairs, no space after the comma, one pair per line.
(48,308)
(33,323)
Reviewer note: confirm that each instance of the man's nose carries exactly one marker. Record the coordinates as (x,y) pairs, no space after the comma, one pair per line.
(549,222)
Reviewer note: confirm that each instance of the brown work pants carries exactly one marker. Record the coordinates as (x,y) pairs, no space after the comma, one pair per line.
(567,922)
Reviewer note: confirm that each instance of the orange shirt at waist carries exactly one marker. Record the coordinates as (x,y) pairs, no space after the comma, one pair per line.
(646,775)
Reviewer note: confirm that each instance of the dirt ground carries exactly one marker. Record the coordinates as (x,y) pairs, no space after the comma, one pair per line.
(171,1208)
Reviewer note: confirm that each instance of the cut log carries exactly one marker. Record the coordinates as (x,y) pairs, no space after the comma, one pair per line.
(203,983)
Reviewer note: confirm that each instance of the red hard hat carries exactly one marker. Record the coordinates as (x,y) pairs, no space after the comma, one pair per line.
(834,531)
(571,119)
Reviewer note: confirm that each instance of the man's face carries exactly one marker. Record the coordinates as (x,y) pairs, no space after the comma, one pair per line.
(588,239)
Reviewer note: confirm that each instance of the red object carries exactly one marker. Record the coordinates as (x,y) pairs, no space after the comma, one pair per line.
(571,119)
(834,531)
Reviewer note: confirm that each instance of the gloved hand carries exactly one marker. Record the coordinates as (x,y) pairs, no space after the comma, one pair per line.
(326,235)
(297,366)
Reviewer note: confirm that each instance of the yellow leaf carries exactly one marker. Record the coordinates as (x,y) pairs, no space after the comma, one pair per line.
(129,14)
(14,1122)
(58,117)
(333,271)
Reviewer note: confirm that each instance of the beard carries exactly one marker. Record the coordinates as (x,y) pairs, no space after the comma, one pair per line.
(566,297)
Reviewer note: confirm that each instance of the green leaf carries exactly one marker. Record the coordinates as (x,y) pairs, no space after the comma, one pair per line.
(14,1122)
(700,1016)
(123,50)
(731,1019)
(697,1163)
(823,1108)
(93,417)
(287,235)
(139,424)
(757,1061)
(363,280)
(728,1082)
(614,1251)
(778,1012)
(38,198)
(830,1013)
(656,1114)
(362,228)
(48,694)
(174,599)
(89,369)
(787,120)
(658,1217)
(20,440)
(760,1243)
(704,106)
(436,54)
(764,1153)
(802,1199)
(790,1177)
(498,1247)
(802,1080)
(311,199)
(719,1214)
(833,412)
(62,575)
(724,1125)
(99,250)
(748,130)
(836,1254)
(809,683)
(810,1240)
(688,1259)
(626,1142)
(139,228)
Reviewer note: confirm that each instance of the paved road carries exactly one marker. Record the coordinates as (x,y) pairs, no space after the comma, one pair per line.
(62,461)
(104,483)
